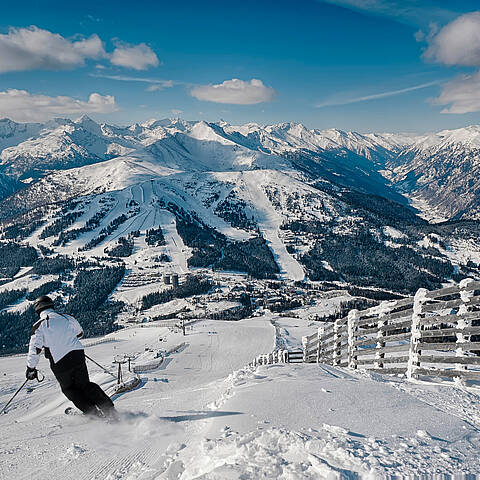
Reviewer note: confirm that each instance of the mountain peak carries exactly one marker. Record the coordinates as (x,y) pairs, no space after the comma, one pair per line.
(85,120)
(88,124)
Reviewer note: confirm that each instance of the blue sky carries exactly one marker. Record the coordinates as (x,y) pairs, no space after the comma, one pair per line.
(365,65)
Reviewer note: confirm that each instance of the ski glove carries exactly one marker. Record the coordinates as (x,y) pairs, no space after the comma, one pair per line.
(31,373)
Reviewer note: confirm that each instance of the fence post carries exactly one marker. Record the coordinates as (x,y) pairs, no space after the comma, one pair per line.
(337,343)
(465,295)
(379,356)
(352,330)
(304,346)
(414,353)
(320,333)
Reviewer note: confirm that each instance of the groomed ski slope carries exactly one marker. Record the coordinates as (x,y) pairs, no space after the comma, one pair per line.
(205,415)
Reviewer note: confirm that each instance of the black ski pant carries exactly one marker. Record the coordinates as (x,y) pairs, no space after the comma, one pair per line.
(72,375)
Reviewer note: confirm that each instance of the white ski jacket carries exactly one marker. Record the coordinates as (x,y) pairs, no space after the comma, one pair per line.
(59,332)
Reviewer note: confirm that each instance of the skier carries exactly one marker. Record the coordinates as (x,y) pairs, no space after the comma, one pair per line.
(59,335)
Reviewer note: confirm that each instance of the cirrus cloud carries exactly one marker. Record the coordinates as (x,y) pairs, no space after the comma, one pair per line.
(33,48)
(235,91)
(138,57)
(22,106)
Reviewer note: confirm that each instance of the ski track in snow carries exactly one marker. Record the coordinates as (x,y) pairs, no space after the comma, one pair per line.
(117,451)
(269,222)
(204,415)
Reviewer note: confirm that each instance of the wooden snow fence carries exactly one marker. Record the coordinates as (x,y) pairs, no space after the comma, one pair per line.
(146,367)
(277,356)
(126,386)
(434,333)
(157,363)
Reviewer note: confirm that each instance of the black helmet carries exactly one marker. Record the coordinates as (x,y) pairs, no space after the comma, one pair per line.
(42,303)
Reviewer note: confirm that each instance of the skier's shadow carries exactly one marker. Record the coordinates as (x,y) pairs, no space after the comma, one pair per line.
(190,416)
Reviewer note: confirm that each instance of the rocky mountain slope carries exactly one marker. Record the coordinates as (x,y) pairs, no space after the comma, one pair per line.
(442,170)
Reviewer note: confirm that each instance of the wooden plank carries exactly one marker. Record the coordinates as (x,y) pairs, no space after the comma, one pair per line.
(397,337)
(469,345)
(470,360)
(470,375)
(387,318)
(397,315)
(327,342)
(442,332)
(327,336)
(449,346)
(443,292)
(388,349)
(394,348)
(386,339)
(449,332)
(437,346)
(433,320)
(368,341)
(389,370)
(341,321)
(327,328)
(342,329)
(327,351)
(366,361)
(402,359)
(373,320)
(467,374)
(314,336)
(395,326)
(403,302)
(435,307)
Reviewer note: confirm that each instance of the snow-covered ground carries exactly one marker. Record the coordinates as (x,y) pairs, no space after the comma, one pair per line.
(204,414)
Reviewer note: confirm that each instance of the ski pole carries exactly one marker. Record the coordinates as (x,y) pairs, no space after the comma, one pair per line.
(14,395)
(103,368)
(4,409)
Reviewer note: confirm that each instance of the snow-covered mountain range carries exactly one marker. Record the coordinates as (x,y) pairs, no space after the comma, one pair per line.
(440,169)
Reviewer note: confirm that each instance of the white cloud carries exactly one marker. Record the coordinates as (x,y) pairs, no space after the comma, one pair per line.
(234,91)
(458,43)
(138,57)
(21,106)
(462,94)
(126,78)
(347,101)
(177,112)
(34,48)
